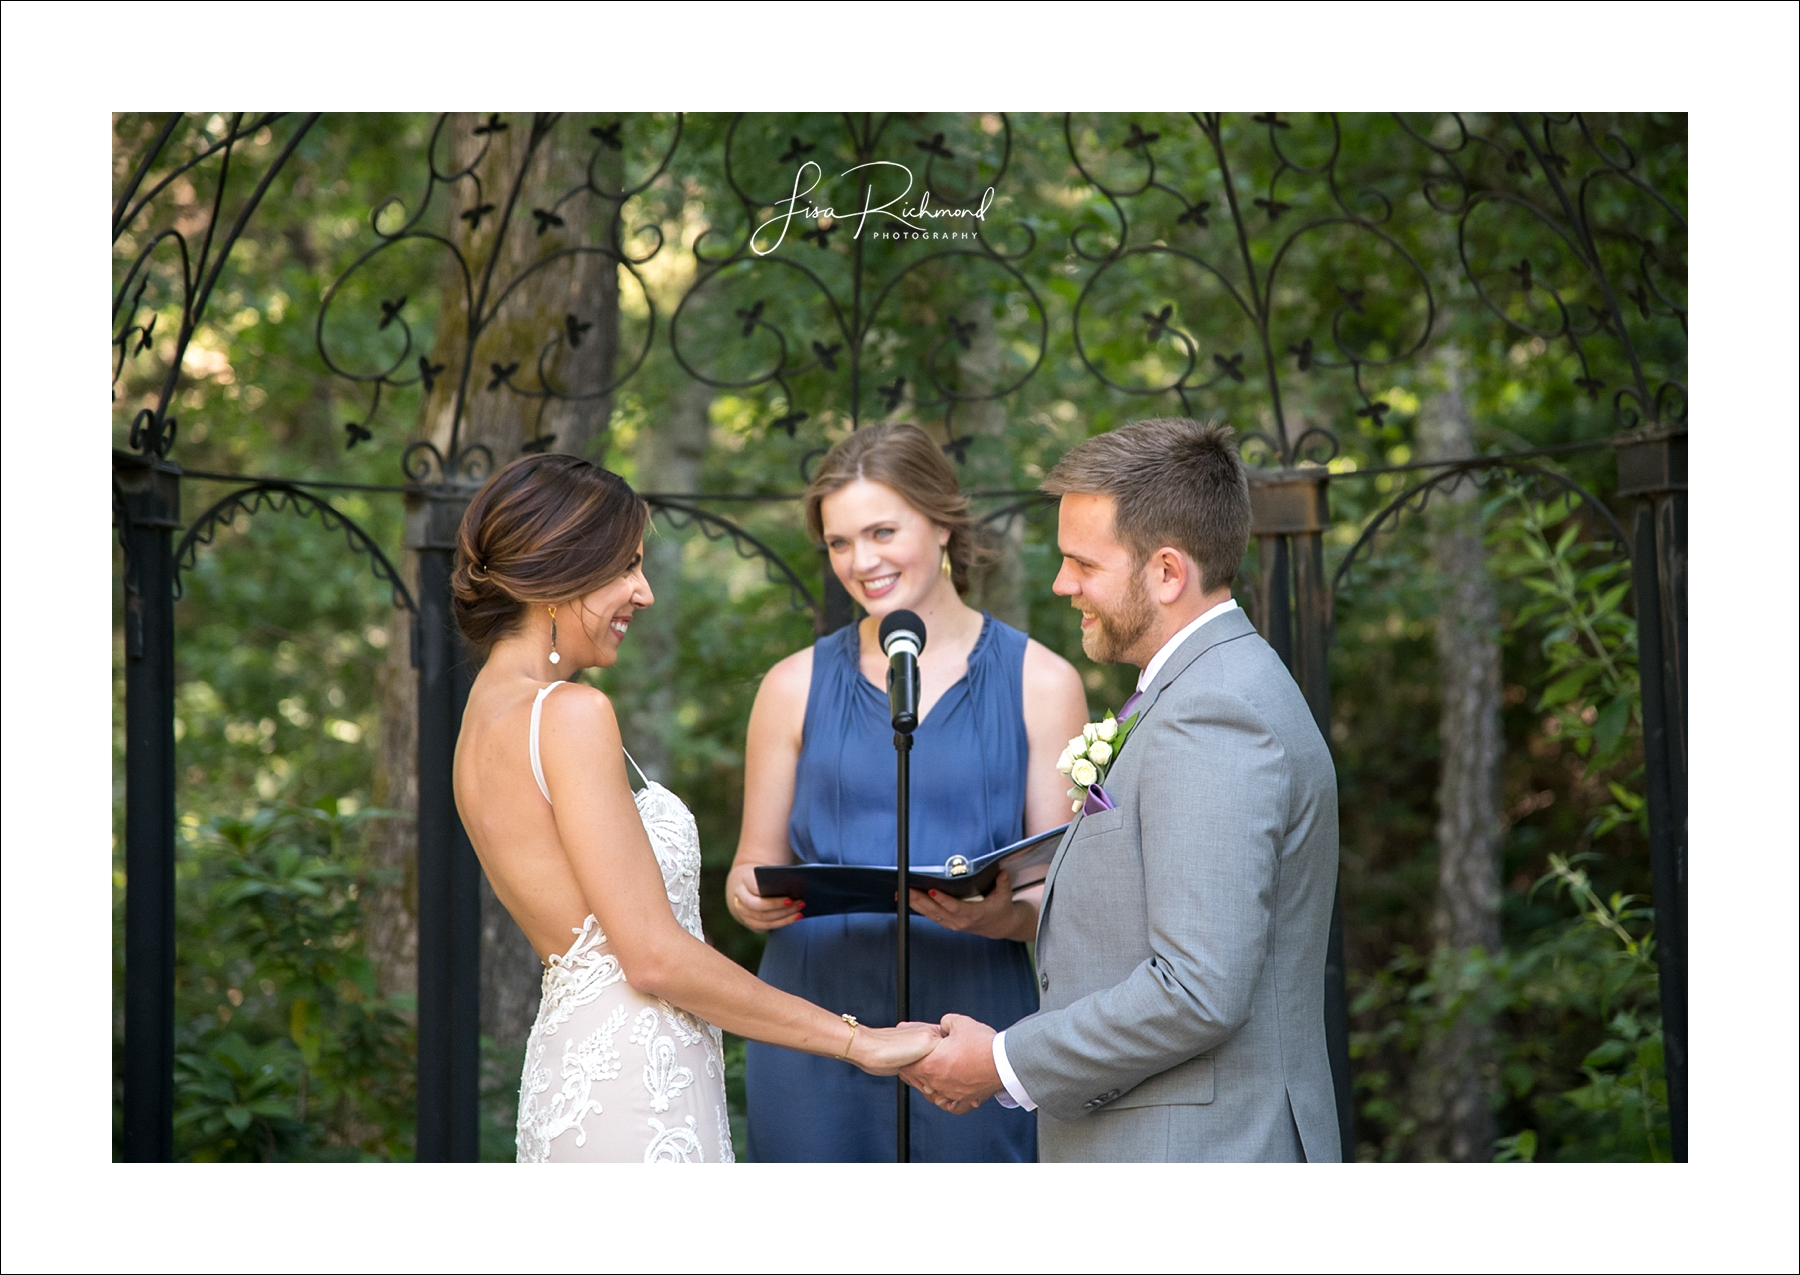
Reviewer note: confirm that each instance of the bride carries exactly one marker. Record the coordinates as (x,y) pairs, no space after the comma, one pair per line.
(625,1059)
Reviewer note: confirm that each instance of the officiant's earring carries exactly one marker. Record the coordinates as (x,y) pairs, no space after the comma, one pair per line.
(554,657)
(945,565)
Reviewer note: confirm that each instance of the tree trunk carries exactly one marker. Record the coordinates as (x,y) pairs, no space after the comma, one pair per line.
(997,585)
(1455,1082)
(530,322)
(669,456)
(529,325)
(392,907)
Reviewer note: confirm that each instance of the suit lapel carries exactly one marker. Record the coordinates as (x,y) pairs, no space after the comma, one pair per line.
(1056,862)
(1233,624)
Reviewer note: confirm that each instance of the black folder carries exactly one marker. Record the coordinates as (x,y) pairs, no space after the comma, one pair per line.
(831,889)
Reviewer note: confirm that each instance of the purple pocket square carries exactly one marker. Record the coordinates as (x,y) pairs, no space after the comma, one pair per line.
(1097,800)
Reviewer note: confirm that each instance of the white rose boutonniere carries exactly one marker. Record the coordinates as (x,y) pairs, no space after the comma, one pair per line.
(1086,760)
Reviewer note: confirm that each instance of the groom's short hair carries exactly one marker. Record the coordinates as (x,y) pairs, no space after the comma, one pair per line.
(1175,482)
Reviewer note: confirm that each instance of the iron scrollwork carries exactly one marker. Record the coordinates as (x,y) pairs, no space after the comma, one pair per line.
(152,428)
(1563,203)
(843,345)
(424,464)
(1350,339)
(483,294)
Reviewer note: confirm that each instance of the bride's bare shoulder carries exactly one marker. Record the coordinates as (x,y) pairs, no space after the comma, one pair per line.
(580,710)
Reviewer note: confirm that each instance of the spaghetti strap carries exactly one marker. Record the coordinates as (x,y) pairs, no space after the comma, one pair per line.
(537,763)
(537,760)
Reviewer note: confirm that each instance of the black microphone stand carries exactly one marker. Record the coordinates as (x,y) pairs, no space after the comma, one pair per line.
(902,637)
(903,915)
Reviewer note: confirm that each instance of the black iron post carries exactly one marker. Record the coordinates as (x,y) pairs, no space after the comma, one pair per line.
(1653,474)
(1289,511)
(903,930)
(449,898)
(149,492)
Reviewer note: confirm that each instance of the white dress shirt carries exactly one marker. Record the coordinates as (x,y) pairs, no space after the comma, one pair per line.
(1014,1094)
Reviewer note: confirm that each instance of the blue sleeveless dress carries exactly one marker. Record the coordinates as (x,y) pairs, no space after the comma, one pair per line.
(968,796)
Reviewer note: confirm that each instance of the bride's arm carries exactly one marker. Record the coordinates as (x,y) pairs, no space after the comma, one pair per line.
(598,823)
(771,761)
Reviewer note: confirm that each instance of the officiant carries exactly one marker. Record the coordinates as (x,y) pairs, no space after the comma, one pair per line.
(996,710)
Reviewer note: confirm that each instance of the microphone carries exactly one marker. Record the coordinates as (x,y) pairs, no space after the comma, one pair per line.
(902,638)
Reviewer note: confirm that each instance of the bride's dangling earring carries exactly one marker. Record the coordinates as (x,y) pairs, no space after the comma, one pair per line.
(945,565)
(554,657)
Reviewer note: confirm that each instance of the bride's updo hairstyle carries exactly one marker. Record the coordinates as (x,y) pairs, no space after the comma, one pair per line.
(544,530)
(903,457)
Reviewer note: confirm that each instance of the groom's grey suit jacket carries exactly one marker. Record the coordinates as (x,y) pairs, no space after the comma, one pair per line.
(1181,949)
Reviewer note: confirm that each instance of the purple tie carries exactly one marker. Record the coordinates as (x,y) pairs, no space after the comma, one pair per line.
(1130,706)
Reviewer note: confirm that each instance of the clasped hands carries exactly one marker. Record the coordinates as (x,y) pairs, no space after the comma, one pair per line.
(951,1063)
(958,1074)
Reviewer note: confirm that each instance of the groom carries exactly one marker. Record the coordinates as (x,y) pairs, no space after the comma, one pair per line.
(1181,946)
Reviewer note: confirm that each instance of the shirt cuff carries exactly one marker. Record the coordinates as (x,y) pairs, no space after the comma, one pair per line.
(1014,1094)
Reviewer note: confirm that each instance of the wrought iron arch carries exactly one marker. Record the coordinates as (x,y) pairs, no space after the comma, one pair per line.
(1415,498)
(282,496)
(679,514)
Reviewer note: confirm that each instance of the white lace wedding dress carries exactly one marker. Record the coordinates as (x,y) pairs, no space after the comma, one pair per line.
(610,1073)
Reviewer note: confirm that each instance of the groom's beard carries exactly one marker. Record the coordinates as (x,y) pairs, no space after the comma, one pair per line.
(1114,633)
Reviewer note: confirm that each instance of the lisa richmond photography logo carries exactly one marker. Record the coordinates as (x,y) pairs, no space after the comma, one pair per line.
(920,221)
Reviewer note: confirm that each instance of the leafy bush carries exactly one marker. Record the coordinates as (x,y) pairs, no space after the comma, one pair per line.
(1588,641)
(1581,1062)
(284,1049)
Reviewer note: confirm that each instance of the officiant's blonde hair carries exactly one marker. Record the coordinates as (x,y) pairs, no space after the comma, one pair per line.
(1175,482)
(900,456)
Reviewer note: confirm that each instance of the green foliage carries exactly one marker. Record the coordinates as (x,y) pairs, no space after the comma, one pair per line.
(285,1049)
(1624,1081)
(1588,641)
(734,1094)
(1575,1006)
(501,1066)
(1571,1000)
(236,1100)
